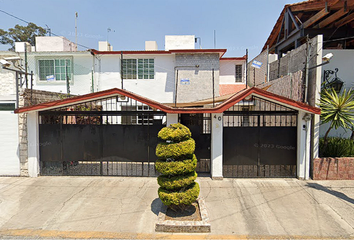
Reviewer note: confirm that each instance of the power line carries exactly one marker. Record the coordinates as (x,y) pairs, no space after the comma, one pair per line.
(29,23)
(14,16)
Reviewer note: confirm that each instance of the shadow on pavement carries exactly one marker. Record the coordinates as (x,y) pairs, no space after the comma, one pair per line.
(156,206)
(332,192)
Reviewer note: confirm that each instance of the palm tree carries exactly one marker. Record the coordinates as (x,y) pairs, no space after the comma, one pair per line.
(337,109)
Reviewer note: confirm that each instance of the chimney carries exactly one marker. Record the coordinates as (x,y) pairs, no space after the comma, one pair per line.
(150,46)
(104,46)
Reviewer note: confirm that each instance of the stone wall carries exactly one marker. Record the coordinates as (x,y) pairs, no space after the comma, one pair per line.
(27,98)
(293,62)
(196,70)
(290,86)
(333,168)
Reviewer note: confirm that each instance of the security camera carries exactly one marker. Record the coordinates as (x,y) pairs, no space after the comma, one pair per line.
(327,57)
(12,59)
(5,63)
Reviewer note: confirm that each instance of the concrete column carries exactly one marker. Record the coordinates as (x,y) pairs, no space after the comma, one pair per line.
(316,118)
(33,144)
(216,146)
(171,118)
(303,146)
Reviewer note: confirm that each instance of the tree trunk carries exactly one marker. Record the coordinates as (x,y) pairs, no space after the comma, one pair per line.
(326,135)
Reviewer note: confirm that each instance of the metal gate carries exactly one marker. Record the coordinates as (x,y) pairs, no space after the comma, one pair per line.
(259,140)
(110,137)
(200,127)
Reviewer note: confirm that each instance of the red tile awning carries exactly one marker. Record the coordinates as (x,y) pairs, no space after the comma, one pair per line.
(194,107)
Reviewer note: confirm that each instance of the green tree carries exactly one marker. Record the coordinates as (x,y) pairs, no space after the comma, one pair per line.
(337,109)
(21,34)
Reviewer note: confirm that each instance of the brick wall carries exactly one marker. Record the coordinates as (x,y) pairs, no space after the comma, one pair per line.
(27,98)
(333,168)
(200,78)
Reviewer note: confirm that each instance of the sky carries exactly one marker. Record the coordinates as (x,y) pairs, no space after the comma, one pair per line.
(238,24)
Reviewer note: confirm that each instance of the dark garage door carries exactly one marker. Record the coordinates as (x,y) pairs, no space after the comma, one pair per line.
(260,143)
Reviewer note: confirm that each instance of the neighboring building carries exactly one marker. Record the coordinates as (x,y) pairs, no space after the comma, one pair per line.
(331,19)
(9,141)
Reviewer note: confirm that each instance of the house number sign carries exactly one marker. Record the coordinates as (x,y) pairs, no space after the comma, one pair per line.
(219,118)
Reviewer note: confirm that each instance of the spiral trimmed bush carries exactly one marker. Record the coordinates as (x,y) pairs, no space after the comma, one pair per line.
(177,181)
(176,167)
(175,150)
(177,163)
(175,133)
(186,197)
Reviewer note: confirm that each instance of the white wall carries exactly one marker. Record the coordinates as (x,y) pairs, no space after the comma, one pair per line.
(227,71)
(303,146)
(9,143)
(217,146)
(81,65)
(160,89)
(343,59)
(33,144)
(179,42)
(53,44)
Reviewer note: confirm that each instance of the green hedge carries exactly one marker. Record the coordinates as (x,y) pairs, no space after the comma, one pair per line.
(175,150)
(176,167)
(175,133)
(336,147)
(176,182)
(186,197)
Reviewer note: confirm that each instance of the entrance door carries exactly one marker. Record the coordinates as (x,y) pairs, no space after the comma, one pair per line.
(200,127)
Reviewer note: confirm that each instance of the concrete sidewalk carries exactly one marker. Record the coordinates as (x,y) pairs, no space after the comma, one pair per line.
(127,208)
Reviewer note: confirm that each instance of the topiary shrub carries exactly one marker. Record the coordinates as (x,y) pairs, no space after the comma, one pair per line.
(177,163)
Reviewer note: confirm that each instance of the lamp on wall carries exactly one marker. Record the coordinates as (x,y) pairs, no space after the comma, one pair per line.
(336,83)
(325,60)
(306,117)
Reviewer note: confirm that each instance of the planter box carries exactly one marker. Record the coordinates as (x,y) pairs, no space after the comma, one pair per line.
(333,168)
(202,226)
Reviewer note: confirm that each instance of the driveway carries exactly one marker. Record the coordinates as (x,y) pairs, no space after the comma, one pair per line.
(127,208)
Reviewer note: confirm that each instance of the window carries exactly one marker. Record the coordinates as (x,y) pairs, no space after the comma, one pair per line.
(138,68)
(146,68)
(238,73)
(129,68)
(146,119)
(7,106)
(54,69)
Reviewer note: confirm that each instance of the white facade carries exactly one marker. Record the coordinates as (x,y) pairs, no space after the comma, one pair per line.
(53,44)
(9,142)
(228,71)
(179,42)
(161,88)
(97,72)
(343,59)
(80,63)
